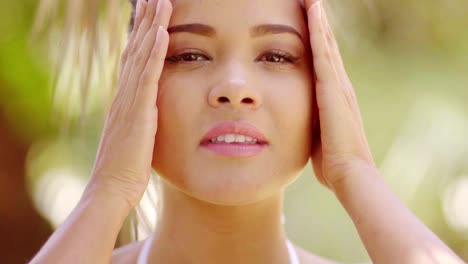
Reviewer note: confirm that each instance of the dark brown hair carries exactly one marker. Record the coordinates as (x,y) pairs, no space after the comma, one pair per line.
(132,17)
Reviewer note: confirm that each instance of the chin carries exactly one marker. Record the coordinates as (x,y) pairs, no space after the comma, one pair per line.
(235,186)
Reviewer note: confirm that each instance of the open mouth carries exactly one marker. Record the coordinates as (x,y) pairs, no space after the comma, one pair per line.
(234,139)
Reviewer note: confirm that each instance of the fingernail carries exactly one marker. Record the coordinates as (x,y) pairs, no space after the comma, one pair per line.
(138,8)
(315,5)
(315,8)
(160,29)
(160,3)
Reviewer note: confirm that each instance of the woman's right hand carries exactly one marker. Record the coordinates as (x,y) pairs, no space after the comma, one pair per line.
(123,163)
(341,149)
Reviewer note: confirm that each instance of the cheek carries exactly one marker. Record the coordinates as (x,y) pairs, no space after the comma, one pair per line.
(178,108)
(179,95)
(291,97)
(181,102)
(178,105)
(292,106)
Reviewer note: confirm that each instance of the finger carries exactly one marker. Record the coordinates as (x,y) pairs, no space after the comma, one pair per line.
(141,59)
(332,43)
(329,90)
(135,58)
(338,62)
(324,19)
(148,83)
(162,17)
(140,10)
(145,25)
(140,13)
(132,44)
(336,58)
(331,100)
(309,3)
(321,53)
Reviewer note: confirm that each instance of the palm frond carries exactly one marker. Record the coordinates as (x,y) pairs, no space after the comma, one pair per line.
(85,40)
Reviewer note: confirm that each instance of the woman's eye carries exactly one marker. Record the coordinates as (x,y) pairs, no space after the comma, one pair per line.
(278,57)
(187,57)
(275,58)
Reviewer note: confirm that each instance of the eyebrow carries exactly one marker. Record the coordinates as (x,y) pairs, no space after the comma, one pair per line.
(256,31)
(266,29)
(195,28)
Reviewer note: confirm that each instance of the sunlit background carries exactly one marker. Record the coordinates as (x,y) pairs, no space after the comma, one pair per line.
(408,60)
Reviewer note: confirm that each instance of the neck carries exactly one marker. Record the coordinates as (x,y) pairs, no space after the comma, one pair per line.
(194,231)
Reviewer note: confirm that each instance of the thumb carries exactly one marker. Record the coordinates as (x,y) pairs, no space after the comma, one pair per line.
(309,3)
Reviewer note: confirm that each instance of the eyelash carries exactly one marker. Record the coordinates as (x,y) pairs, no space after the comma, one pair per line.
(180,57)
(283,57)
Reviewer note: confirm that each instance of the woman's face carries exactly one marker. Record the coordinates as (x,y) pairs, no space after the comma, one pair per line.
(245,61)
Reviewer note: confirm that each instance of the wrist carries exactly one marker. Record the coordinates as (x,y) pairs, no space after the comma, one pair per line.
(95,221)
(120,190)
(355,176)
(104,196)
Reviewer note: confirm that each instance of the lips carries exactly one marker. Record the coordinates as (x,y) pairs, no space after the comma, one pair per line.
(234,140)
(234,128)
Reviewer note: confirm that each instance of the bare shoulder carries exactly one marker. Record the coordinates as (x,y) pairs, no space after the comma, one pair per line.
(130,252)
(127,254)
(308,258)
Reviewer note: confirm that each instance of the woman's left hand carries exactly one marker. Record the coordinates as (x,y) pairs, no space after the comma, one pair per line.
(343,161)
(341,148)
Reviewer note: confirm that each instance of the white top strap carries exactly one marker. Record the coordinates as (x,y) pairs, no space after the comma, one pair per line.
(144,253)
(145,250)
(293,258)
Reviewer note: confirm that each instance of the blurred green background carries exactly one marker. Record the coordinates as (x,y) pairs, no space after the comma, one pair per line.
(408,60)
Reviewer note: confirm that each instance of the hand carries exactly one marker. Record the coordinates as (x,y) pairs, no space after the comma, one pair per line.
(123,163)
(342,148)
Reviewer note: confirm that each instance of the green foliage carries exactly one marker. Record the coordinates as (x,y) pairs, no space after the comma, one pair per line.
(406,58)
(24,76)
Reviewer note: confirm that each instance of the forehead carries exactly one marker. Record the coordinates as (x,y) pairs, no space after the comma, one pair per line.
(239,14)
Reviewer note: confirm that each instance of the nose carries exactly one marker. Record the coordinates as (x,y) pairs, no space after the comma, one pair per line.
(234,91)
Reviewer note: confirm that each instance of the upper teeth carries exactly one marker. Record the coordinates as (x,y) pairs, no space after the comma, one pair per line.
(230,138)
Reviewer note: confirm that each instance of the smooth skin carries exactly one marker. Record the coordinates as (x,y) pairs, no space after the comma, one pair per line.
(123,164)
(342,161)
